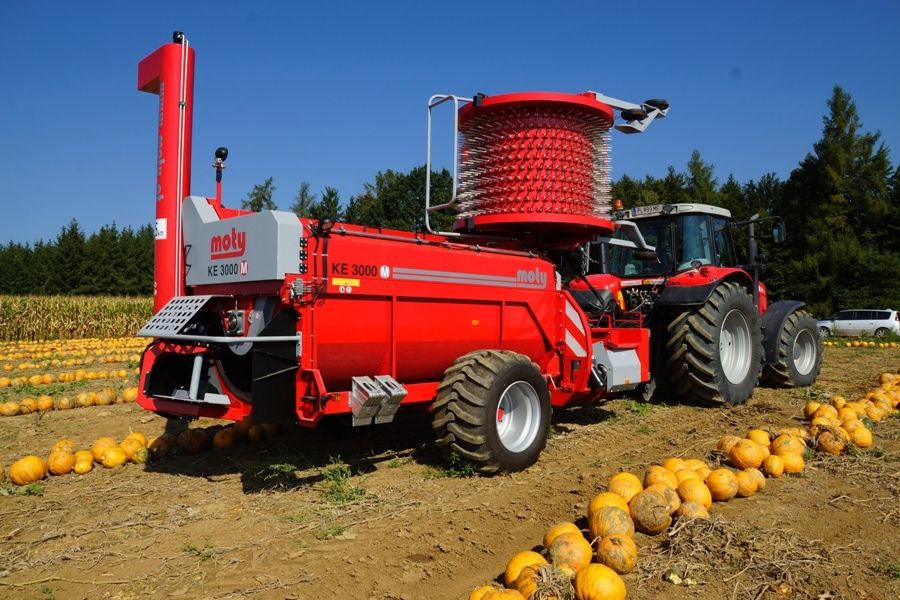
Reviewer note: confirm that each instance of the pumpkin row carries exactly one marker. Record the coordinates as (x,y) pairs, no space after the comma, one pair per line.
(572,566)
(65,458)
(80,347)
(67,377)
(859,344)
(55,363)
(104,397)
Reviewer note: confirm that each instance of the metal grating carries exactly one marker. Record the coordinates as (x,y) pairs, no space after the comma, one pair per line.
(173,316)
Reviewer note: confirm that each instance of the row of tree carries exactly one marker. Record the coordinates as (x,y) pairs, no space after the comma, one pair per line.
(841,206)
(110,261)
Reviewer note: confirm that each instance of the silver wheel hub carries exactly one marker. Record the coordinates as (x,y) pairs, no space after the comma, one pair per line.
(735,349)
(518,416)
(804,352)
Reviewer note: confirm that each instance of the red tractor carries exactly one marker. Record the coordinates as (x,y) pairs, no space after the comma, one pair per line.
(292,320)
(713,331)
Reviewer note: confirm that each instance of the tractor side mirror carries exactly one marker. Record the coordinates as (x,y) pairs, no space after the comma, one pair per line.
(779,232)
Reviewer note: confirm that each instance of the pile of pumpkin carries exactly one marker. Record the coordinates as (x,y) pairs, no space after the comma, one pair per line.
(572,566)
(65,458)
(104,397)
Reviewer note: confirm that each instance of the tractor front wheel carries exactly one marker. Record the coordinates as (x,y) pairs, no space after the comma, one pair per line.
(716,350)
(493,410)
(798,355)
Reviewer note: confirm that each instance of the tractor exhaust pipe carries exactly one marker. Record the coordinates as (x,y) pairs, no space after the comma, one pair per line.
(169,73)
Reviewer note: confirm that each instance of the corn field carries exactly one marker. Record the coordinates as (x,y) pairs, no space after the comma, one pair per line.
(68,317)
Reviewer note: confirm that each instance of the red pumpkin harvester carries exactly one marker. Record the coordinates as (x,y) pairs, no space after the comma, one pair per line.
(488,326)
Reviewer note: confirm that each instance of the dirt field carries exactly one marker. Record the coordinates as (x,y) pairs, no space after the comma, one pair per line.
(374,514)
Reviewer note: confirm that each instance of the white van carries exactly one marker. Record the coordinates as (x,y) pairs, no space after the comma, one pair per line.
(861,322)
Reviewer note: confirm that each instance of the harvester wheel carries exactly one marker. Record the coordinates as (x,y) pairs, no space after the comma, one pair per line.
(799,353)
(493,409)
(716,349)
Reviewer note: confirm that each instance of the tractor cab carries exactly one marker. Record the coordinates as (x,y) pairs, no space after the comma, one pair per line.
(682,237)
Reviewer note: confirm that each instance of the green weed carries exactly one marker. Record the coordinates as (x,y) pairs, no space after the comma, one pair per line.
(338,488)
(454,466)
(204,553)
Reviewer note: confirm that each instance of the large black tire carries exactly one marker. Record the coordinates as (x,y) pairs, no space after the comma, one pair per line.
(799,355)
(493,410)
(716,350)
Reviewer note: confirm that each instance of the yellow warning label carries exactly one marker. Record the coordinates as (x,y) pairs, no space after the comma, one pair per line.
(345,282)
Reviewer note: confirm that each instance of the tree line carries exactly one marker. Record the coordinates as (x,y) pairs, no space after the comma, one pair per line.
(841,206)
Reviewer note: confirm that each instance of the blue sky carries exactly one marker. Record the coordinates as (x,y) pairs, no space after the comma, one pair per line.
(333,92)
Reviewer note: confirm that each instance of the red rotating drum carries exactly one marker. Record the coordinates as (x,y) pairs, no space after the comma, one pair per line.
(535,162)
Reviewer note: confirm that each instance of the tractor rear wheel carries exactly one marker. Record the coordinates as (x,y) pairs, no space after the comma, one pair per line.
(716,349)
(493,409)
(799,353)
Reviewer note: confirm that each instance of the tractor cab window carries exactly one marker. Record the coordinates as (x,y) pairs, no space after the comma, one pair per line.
(625,262)
(725,255)
(694,241)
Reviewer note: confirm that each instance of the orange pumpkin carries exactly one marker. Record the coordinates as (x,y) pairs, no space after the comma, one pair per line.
(63,403)
(559,529)
(130,446)
(793,463)
(114,457)
(225,437)
(28,469)
(65,444)
(673,501)
(162,445)
(100,446)
(658,474)
(570,550)
(606,499)
(694,490)
(610,520)
(861,436)
(44,403)
(192,441)
(83,466)
(650,512)
(773,466)
(505,595)
(673,464)
(760,436)
(726,443)
(683,474)
(625,484)
(137,435)
(747,454)
(746,482)
(255,433)
(722,485)
(787,443)
(694,464)
(60,462)
(82,455)
(618,552)
(692,510)
(598,582)
(830,442)
(129,394)
(481,592)
(518,562)
(760,478)
(703,472)
(544,581)
(9,409)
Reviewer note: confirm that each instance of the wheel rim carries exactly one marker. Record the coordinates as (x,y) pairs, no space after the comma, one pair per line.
(734,347)
(804,352)
(879,333)
(824,332)
(518,416)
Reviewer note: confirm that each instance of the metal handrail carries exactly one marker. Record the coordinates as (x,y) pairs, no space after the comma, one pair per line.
(433,102)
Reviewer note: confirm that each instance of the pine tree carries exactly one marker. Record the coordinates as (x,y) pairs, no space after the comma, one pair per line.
(260,197)
(303,201)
